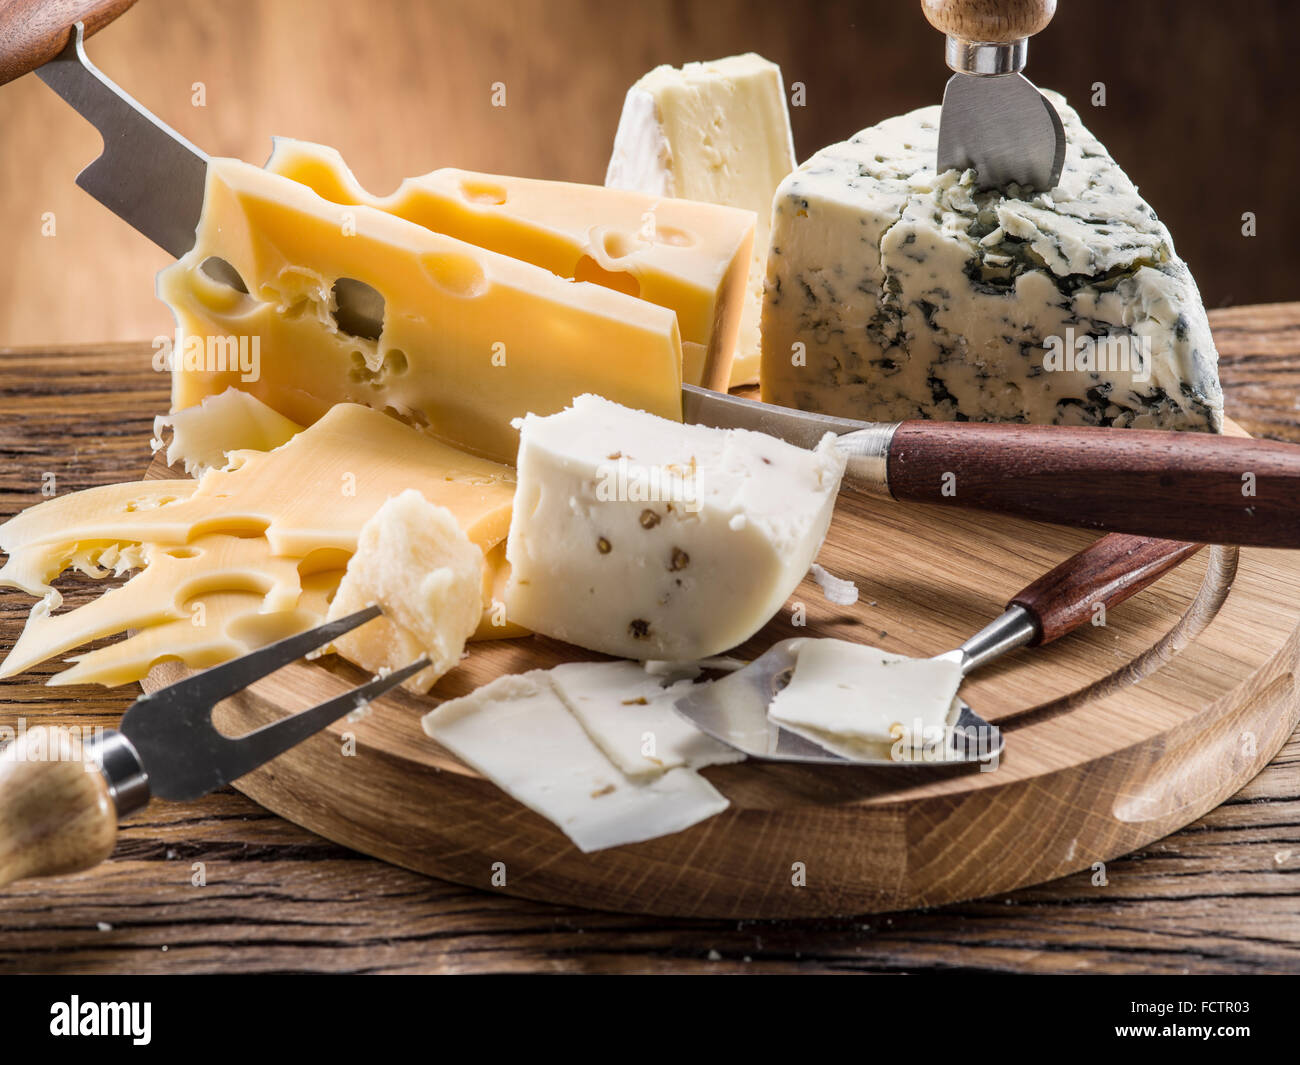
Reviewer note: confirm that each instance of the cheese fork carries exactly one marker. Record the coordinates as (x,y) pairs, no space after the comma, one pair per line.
(1114,568)
(60,801)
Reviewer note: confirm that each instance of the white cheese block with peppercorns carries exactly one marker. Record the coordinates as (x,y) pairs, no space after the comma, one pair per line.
(894,292)
(644,538)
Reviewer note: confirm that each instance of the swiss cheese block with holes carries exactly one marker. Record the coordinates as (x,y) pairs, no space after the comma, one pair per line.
(348,303)
(894,292)
(692,258)
(644,538)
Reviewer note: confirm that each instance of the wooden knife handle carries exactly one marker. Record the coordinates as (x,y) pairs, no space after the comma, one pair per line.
(989,21)
(1200,487)
(32,32)
(1111,570)
(56,815)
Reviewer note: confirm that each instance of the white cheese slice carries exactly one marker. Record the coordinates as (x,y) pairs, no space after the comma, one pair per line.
(718,132)
(623,538)
(853,699)
(630,716)
(518,733)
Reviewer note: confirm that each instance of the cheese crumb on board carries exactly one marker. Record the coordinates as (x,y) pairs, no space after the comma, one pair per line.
(630,716)
(519,734)
(414,561)
(622,540)
(204,435)
(717,132)
(855,700)
(837,590)
(895,293)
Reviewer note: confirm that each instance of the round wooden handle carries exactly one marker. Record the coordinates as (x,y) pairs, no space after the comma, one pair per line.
(32,32)
(1113,569)
(989,21)
(56,815)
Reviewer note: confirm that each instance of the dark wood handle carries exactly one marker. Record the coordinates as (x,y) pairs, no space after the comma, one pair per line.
(1113,569)
(32,32)
(56,815)
(1177,486)
(991,21)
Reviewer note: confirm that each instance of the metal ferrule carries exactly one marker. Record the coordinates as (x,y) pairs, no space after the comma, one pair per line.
(1015,628)
(867,450)
(128,784)
(986,60)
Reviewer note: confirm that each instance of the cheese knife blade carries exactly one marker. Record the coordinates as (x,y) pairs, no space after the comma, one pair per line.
(148,175)
(1198,487)
(994,120)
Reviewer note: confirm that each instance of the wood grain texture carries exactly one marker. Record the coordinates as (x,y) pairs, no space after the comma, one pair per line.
(1108,572)
(992,21)
(32,32)
(1219,896)
(1181,486)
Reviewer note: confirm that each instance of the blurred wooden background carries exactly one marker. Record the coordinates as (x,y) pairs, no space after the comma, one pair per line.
(1201,109)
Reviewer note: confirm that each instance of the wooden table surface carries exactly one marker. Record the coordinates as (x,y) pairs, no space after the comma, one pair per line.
(1221,896)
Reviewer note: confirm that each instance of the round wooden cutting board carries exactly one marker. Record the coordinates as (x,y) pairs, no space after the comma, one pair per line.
(1116,736)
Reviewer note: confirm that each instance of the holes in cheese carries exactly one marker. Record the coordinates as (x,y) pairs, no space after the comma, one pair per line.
(487,337)
(358,308)
(264,530)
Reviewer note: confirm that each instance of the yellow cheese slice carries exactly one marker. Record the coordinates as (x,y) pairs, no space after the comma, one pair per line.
(257,529)
(468,339)
(215,628)
(314,493)
(690,257)
(171,577)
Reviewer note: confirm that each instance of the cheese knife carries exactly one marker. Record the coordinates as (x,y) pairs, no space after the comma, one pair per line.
(994,120)
(1181,486)
(61,798)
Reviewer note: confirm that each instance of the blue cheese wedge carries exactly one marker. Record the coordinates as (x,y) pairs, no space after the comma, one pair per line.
(894,292)
(519,733)
(629,714)
(644,538)
(859,701)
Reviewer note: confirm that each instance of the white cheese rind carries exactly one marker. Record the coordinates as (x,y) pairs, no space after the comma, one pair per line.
(518,732)
(622,538)
(845,695)
(718,132)
(911,295)
(629,714)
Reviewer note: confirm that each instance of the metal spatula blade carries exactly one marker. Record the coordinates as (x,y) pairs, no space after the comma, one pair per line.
(1003,128)
(734,711)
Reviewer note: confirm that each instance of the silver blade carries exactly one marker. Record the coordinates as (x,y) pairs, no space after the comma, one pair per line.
(718,410)
(1004,128)
(148,175)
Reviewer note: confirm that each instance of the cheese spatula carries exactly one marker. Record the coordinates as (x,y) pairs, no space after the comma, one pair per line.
(60,801)
(735,708)
(993,119)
